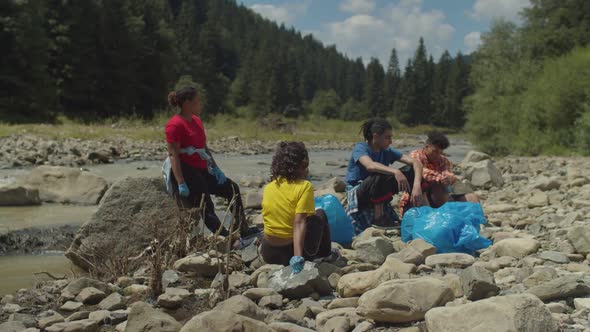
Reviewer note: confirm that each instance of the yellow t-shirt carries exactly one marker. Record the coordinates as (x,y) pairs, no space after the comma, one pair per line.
(281,200)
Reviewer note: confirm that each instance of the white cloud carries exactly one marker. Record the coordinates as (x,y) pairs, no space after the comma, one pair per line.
(357,6)
(486,10)
(400,26)
(472,41)
(285,13)
(358,35)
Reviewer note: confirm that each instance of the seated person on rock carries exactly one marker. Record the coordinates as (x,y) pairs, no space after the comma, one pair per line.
(437,174)
(192,174)
(371,183)
(294,231)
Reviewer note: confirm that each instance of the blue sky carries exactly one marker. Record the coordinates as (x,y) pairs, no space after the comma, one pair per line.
(371,28)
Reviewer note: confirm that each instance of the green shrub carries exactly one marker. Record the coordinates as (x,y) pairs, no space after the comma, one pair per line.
(354,110)
(554,104)
(582,132)
(525,106)
(326,104)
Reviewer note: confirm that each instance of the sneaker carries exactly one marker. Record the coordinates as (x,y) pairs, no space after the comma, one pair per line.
(331,258)
(251,231)
(249,236)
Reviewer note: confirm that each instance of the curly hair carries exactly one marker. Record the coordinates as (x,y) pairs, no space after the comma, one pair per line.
(288,160)
(437,139)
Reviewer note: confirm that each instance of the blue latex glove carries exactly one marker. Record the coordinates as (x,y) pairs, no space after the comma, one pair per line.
(219,175)
(296,263)
(183,190)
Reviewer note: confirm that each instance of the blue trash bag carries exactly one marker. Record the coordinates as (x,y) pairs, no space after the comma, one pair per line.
(341,229)
(453,227)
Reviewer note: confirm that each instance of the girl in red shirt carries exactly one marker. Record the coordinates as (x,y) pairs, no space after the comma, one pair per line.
(195,173)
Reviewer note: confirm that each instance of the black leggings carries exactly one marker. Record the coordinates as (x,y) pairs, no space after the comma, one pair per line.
(200,182)
(317,242)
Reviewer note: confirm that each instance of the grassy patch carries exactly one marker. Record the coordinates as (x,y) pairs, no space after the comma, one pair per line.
(220,126)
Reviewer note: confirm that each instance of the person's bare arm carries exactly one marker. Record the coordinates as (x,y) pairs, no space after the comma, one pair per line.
(416,187)
(174,154)
(299,233)
(450,178)
(375,167)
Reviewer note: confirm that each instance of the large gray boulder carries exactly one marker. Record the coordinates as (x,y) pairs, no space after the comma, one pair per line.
(144,318)
(561,288)
(579,237)
(83,325)
(483,174)
(66,185)
(125,222)
(300,285)
(455,260)
(473,157)
(341,319)
(373,250)
(512,313)
(199,264)
(241,305)
(546,183)
(15,195)
(478,283)
(172,298)
(404,300)
(12,327)
(76,286)
(357,283)
(517,248)
(216,320)
(416,252)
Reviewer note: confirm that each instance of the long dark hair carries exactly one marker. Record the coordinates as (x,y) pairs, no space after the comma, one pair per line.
(178,97)
(374,126)
(287,160)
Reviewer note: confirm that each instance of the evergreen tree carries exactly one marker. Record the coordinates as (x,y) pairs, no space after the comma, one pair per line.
(155,57)
(375,80)
(392,80)
(441,88)
(420,111)
(208,70)
(118,43)
(114,58)
(406,97)
(458,88)
(187,38)
(27,94)
(354,80)
(555,27)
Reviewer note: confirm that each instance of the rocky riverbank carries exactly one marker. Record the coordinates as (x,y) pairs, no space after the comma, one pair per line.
(535,276)
(29,150)
(35,240)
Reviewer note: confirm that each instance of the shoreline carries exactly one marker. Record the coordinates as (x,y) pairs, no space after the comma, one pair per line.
(17,151)
(37,240)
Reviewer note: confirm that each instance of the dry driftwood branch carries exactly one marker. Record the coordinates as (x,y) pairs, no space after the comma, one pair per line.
(50,275)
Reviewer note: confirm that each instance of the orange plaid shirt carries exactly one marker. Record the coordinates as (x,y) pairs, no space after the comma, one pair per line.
(432,171)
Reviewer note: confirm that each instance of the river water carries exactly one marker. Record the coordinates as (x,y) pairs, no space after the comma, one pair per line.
(18,271)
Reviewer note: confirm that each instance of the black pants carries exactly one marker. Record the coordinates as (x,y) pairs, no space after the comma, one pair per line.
(201,185)
(376,189)
(317,242)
